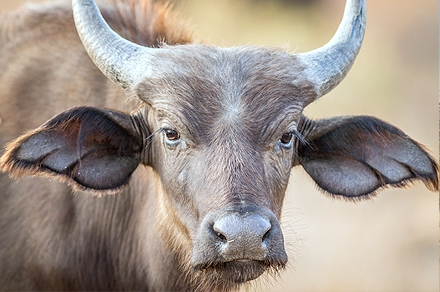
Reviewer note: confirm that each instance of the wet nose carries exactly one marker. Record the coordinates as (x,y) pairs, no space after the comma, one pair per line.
(250,234)
(242,236)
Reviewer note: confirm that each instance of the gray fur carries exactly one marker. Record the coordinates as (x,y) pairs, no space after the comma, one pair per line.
(174,197)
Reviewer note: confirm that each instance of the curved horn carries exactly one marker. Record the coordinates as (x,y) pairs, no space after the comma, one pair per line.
(120,60)
(328,65)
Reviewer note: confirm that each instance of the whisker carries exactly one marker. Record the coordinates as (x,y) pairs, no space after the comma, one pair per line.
(300,137)
(148,140)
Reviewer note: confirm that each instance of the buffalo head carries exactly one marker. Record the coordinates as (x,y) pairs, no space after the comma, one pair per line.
(221,128)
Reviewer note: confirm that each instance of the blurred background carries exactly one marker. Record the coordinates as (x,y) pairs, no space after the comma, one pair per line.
(389,243)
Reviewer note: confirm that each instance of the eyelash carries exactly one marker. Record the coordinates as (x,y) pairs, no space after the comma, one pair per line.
(290,136)
(300,137)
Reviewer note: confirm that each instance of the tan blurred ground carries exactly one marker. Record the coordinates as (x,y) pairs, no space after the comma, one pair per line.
(390,243)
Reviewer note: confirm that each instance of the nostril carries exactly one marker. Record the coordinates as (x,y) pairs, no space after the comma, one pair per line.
(250,230)
(219,233)
(220,236)
(237,236)
(266,235)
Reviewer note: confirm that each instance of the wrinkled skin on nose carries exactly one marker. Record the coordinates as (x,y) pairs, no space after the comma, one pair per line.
(243,243)
(242,236)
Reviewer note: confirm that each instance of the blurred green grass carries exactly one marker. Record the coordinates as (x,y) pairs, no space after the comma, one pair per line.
(390,243)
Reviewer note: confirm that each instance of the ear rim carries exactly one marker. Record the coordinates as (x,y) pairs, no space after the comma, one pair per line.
(17,169)
(431,182)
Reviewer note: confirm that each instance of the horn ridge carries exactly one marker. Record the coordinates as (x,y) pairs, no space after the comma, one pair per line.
(119,59)
(327,66)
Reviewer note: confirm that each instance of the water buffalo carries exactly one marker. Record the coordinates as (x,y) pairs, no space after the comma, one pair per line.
(189,175)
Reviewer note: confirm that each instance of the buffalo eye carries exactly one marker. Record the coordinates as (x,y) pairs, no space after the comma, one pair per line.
(172,135)
(286,138)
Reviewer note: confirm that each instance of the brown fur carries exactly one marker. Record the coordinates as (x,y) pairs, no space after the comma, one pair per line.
(230,107)
(31,48)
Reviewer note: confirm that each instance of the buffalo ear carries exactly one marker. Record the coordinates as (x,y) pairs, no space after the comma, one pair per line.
(355,156)
(91,148)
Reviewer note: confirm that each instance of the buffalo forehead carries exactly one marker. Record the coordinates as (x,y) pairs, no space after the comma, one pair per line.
(235,87)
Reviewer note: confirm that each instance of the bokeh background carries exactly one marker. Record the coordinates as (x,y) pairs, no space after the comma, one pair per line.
(391,242)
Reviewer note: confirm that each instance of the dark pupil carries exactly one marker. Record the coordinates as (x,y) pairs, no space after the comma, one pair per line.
(285,139)
(172,135)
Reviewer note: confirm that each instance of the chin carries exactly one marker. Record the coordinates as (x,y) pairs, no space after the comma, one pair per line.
(227,276)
